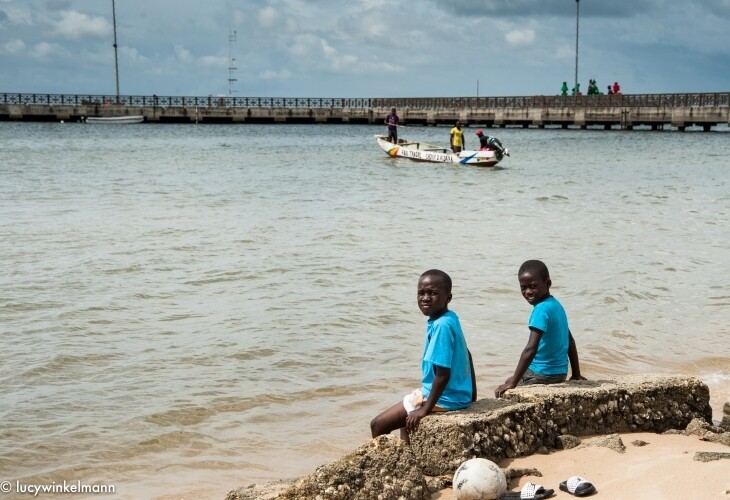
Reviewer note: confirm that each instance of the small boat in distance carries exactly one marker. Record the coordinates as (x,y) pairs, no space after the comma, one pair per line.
(421,151)
(119,120)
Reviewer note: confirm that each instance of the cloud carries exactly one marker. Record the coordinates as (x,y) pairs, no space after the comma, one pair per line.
(720,8)
(58,4)
(213,61)
(44,49)
(268,17)
(78,25)
(328,50)
(183,55)
(238,18)
(520,38)
(13,46)
(132,54)
(554,8)
(292,47)
(17,15)
(282,74)
(303,45)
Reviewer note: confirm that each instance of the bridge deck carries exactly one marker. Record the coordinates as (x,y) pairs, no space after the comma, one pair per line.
(705,110)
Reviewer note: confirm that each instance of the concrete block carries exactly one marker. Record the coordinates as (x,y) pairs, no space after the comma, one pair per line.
(532,418)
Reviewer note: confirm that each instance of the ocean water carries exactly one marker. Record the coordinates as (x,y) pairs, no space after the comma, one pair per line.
(185,309)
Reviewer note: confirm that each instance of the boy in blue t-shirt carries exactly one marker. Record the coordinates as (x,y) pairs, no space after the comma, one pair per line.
(544,360)
(448,381)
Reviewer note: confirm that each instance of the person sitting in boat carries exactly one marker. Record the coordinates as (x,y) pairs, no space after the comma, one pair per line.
(392,122)
(488,142)
(457,138)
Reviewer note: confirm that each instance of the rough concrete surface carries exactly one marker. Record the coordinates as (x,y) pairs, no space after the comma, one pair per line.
(532,419)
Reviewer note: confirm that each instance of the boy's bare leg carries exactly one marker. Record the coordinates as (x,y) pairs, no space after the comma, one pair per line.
(404,435)
(391,419)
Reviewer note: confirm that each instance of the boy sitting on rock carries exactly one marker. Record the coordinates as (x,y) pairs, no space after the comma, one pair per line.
(448,381)
(544,360)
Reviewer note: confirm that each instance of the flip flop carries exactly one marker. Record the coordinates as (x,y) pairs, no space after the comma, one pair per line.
(578,486)
(529,490)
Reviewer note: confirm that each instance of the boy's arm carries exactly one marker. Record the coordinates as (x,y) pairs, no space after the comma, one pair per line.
(441,378)
(473,378)
(528,353)
(573,358)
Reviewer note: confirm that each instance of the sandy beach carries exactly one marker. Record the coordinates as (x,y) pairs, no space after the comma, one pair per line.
(664,468)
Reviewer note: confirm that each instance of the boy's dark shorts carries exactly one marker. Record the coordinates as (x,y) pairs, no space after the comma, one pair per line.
(530,378)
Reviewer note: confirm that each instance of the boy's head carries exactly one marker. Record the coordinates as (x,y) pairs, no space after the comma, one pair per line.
(534,281)
(434,293)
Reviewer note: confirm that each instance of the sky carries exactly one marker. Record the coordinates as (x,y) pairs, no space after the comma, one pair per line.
(363,48)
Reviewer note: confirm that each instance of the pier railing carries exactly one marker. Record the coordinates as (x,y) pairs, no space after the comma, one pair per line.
(712,100)
(702,100)
(184,101)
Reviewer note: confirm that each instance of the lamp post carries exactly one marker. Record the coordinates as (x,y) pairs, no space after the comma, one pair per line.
(116,58)
(577,24)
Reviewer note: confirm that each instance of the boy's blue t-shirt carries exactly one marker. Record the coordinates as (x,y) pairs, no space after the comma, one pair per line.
(446,347)
(549,317)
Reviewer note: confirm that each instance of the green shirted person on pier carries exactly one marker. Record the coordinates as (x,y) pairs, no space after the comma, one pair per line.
(564,89)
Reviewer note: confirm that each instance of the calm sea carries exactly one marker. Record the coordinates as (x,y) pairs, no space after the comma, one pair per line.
(185,309)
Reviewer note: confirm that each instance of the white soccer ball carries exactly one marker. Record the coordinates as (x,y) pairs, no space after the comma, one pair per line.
(479,479)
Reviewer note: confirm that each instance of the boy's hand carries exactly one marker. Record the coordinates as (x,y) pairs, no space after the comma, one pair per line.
(510,383)
(578,377)
(414,417)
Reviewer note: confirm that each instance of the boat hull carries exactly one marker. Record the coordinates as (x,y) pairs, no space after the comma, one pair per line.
(420,151)
(120,120)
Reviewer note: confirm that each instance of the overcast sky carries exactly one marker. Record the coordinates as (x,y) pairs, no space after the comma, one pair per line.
(363,48)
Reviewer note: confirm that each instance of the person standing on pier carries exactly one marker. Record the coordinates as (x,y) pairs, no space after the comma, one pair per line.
(392,122)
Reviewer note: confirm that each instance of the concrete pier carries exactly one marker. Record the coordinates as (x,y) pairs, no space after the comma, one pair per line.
(654,111)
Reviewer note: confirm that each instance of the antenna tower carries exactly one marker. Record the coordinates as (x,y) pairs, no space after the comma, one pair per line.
(231,62)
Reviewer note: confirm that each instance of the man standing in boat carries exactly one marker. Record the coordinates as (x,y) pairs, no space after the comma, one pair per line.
(457,138)
(392,122)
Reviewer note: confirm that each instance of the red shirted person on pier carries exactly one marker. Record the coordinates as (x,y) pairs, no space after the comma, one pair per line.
(616,88)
